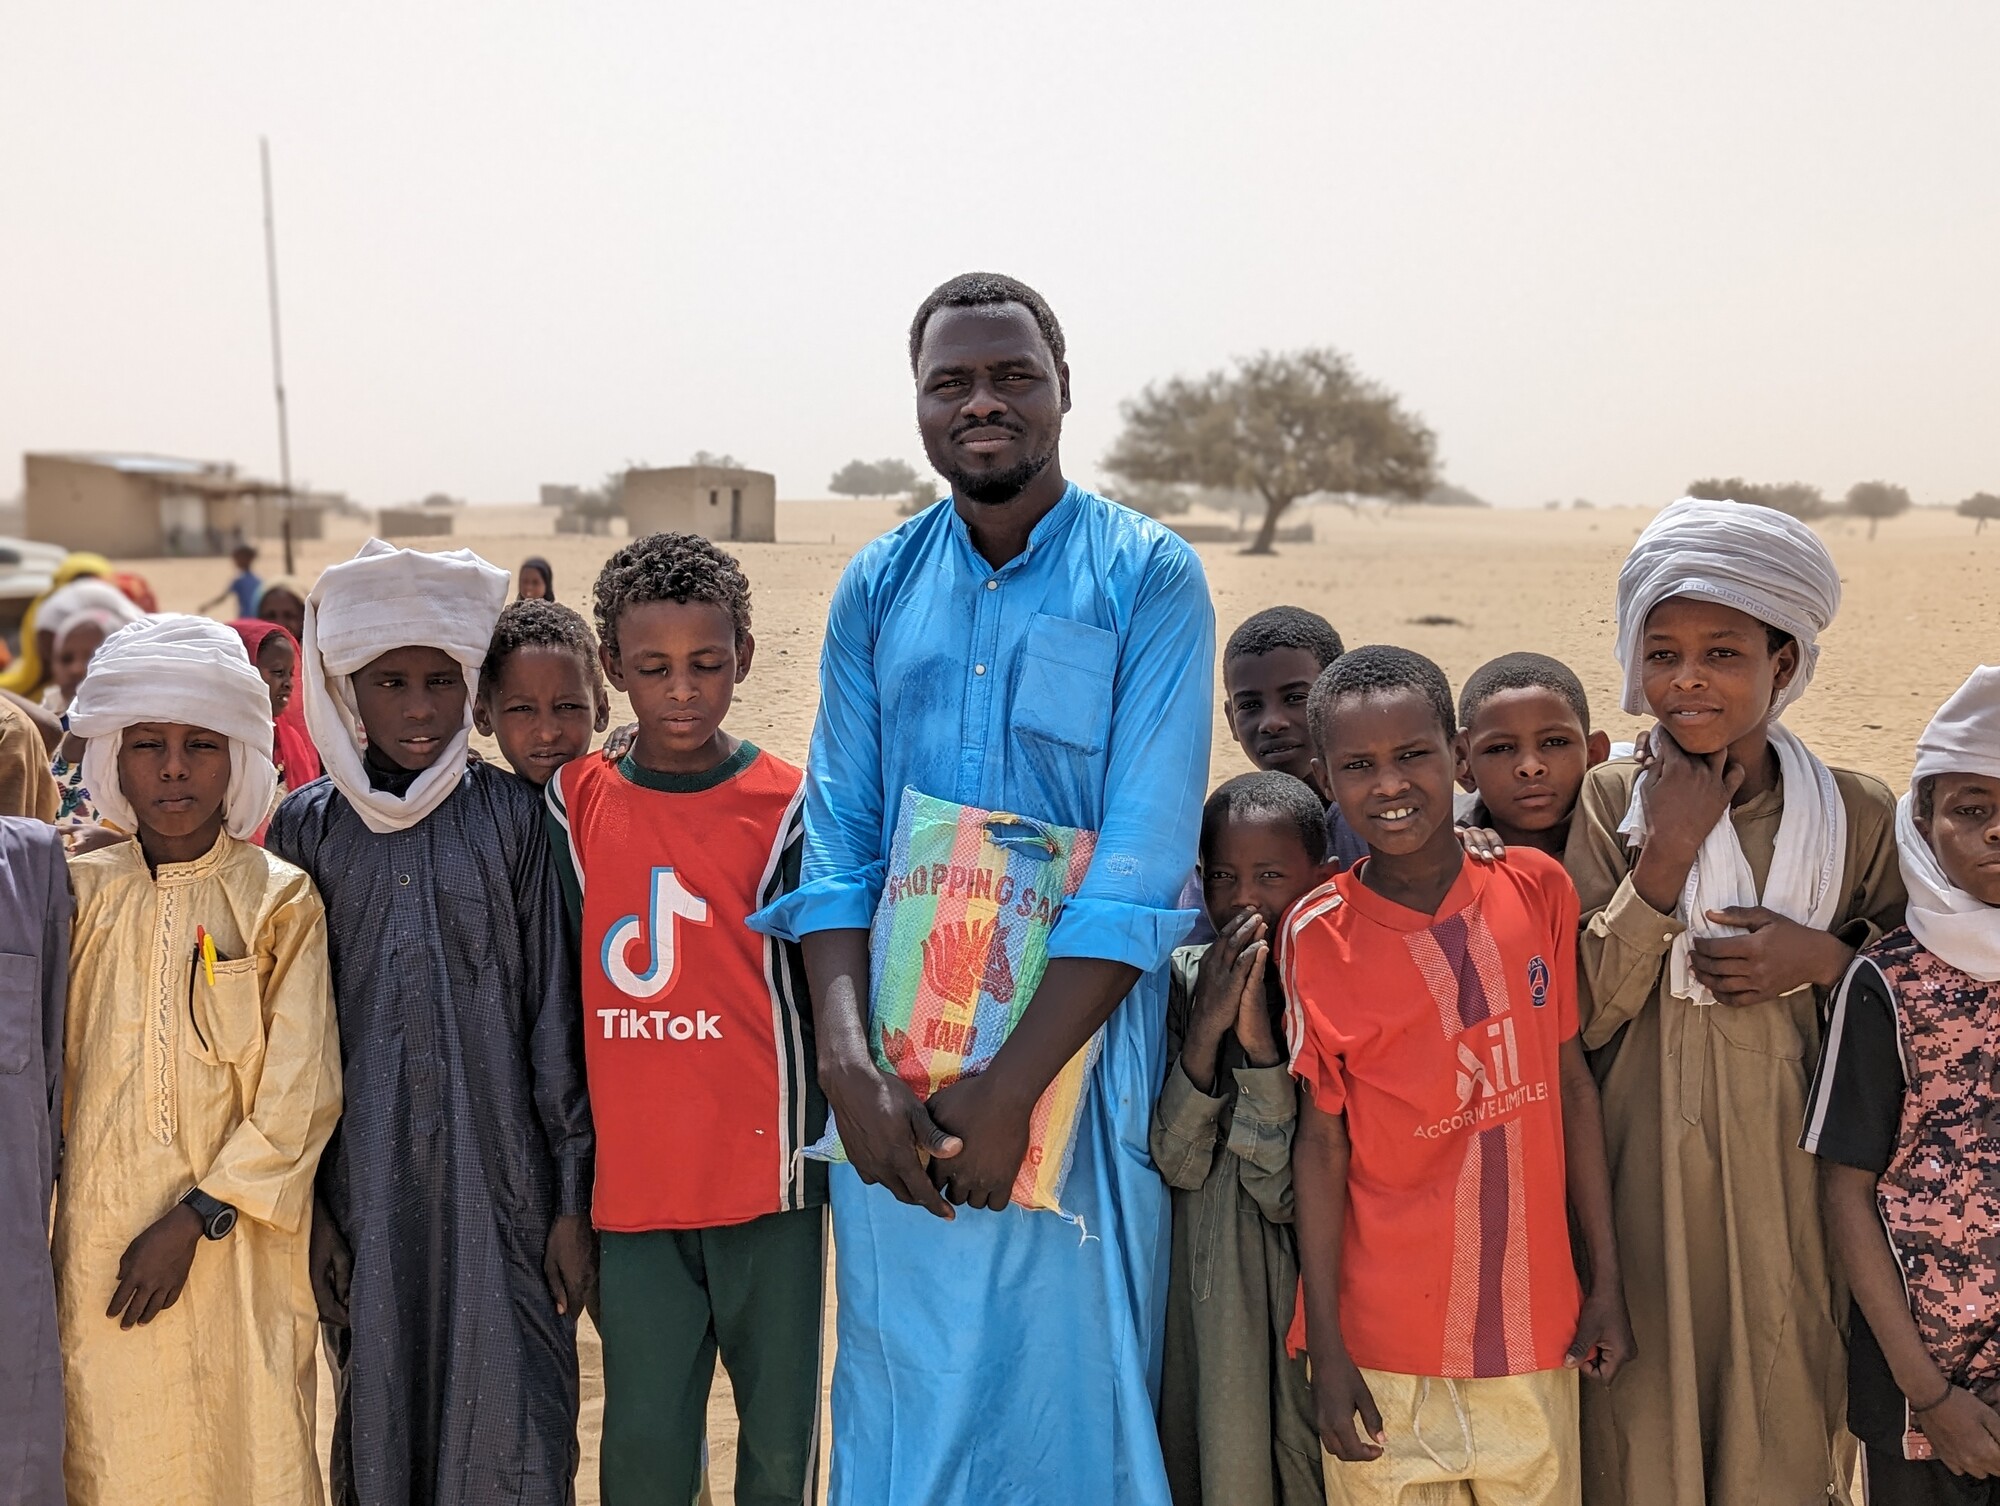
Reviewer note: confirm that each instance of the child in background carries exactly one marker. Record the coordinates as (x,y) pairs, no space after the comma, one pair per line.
(245,587)
(201,1080)
(1524,745)
(541,690)
(1448,1130)
(452,1237)
(699,1033)
(275,654)
(1902,1117)
(1268,668)
(537,580)
(81,635)
(1733,868)
(1236,1415)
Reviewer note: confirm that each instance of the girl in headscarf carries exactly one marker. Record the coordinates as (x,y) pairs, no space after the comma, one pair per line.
(1725,887)
(283,602)
(77,641)
(28,674)
(275,653)
(537,580)
(201,1081)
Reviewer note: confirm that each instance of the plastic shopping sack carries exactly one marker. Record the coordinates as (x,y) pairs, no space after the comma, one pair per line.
(959,945)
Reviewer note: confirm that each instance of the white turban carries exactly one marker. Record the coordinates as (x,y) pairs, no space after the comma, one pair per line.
(1755,559)
(79,596)
(1963,738)
(387,598)
(187,670)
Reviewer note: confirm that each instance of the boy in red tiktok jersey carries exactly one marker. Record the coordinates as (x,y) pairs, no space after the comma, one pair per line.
(698,1043)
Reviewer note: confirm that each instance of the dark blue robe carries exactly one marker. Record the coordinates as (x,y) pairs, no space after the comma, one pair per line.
(466,1131)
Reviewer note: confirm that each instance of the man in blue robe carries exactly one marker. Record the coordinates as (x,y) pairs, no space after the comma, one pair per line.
(1023,645)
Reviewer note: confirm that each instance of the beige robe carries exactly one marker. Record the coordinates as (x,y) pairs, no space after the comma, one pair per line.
(171,1083)
(1736,1396)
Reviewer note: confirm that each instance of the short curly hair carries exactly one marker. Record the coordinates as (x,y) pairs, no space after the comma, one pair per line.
(1523,672)
(972,290)
(1284,627)
(1378,669)
(535,623)
(670,567)
(1267,793)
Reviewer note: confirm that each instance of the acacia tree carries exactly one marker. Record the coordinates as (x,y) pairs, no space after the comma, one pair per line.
(873,478)
(1876,500)
(1284,426)
(1794,498)
(1981,505)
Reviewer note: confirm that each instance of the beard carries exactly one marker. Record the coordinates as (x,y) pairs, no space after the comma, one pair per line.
(994,488)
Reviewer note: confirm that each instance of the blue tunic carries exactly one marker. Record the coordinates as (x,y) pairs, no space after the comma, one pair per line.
(1005,1357)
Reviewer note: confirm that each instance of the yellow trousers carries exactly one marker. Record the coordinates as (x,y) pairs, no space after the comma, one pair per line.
(1509,1441)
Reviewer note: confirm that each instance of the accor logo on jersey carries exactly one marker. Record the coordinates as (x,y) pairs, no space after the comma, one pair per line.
(651,975)
(1488,1080)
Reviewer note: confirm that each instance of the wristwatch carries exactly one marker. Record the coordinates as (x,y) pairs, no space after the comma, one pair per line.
(217,1218)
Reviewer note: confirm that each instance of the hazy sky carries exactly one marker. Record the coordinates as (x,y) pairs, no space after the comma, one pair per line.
(1602,248)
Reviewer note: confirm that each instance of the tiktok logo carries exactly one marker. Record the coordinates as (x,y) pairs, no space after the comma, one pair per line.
(671,903)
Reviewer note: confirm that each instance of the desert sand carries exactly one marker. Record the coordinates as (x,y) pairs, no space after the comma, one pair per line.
(1919,613)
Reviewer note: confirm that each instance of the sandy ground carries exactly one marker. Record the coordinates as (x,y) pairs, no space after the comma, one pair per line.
(1919,614)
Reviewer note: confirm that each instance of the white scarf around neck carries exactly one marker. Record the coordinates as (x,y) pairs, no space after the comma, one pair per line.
(388,598)
(1963,738)
(1808,869)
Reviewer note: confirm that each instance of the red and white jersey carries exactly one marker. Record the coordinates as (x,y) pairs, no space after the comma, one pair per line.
(697,1032)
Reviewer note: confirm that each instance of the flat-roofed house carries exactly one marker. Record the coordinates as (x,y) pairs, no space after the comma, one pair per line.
(144,506)
(718,502)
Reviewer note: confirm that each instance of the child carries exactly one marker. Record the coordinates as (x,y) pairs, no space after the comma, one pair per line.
(541,692)
(26,787)
(1449,1127)
(1902,1118)
(1236,1416)
(275,654)
(80,636)
(201,1081)
(35,910)
(1268,668)
(246,587)
(537,580)
(699,1034)
(452,1236)
(1524,745)
(1744,872)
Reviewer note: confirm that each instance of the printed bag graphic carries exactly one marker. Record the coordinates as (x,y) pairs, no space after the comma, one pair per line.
(958,947)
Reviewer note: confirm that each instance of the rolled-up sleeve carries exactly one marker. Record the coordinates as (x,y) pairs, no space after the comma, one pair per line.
(843,867)
(1127,909)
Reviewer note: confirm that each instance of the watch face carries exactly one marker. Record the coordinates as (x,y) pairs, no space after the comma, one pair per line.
(222,1223)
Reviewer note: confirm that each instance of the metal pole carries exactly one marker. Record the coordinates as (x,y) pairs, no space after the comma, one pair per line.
(277,353)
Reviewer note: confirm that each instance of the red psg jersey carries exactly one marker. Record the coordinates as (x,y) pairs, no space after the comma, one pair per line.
(697,1033)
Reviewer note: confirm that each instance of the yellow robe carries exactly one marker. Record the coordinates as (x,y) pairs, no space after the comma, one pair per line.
(170,1083)
(1737,1394)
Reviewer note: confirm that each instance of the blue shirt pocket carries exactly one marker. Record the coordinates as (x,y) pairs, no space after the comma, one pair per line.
(1064,692)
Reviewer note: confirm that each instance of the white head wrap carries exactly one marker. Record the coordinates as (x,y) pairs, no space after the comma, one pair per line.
(387,598)
(187,670)
(1755,559)
(1776,569)
(1963,738)
(79,596)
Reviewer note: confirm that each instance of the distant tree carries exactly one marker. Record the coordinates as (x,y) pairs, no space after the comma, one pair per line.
(1444,494)
(1981,505)
(1155,499)
(877,478)
(1284,426)
(1794,498)
(724,462)
(1876,500)
(441,499)
(1583,504)
(923,491)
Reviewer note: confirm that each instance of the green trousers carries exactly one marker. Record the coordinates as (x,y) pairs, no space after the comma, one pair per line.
(675,1298)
